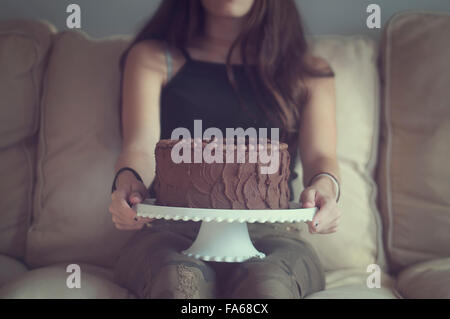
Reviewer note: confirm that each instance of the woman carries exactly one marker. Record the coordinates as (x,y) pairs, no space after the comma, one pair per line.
(242,63)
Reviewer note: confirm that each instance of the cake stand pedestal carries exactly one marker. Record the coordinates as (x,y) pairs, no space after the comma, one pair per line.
(223,235)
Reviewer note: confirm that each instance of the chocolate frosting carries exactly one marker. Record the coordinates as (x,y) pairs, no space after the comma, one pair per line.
(220,185)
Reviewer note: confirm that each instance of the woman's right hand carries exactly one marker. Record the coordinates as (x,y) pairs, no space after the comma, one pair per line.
(129,192)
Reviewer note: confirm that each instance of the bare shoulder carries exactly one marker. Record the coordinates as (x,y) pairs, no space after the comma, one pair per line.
(318,63)
(148,54)
(320,84)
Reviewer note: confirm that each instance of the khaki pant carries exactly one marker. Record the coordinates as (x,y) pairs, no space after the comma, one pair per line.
(151,265)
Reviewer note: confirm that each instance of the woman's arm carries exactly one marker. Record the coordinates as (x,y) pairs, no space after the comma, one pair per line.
(318,135)
(317,145)
(143,76)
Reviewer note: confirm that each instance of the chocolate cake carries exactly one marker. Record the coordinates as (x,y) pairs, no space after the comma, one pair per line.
(227,185)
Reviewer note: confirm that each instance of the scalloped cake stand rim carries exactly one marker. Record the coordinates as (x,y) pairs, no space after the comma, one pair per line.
(147,208)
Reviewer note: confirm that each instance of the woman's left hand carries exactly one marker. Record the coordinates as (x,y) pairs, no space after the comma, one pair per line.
(326,219)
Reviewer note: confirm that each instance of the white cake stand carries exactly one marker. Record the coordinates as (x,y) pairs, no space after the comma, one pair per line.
(223,235)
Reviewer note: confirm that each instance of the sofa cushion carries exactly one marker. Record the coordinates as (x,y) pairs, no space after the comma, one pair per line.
(429,279)
(351,283)
(413,175)
(353,292)
(10,269)
(24,46)
(51,283)
(357,243)
(79,143)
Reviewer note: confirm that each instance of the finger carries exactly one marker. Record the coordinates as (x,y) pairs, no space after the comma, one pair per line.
(129,228)
(138,192)
(145,219)
(311,228)
(325,229)
(118,217)
(124,214)
(121,226)
(308,197)
(118,193)
(121,207)
(329,231)
(120,220)
(322,199)
(314,223)
(135,197)
(334,229)
(321,216)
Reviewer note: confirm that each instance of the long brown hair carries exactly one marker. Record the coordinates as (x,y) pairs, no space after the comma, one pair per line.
(272,39)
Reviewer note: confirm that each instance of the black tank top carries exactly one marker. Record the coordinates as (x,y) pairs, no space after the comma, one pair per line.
(200,90)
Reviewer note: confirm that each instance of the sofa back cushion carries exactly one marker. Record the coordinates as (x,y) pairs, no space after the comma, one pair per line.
(79,143)
(24,46)
(357,243)
(413,175)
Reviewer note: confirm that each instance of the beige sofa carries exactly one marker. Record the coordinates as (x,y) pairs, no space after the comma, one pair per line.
(60,139)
